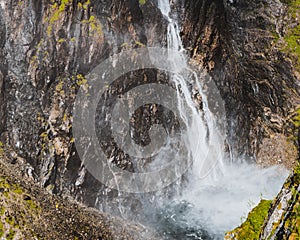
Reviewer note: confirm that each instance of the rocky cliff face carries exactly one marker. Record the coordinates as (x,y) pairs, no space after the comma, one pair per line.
(47,48)
(242,44)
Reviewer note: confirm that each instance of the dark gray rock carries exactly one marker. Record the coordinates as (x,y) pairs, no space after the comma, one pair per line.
(45,52)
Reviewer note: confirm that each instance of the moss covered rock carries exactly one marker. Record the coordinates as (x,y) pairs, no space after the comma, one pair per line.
(277,219)
(251,228)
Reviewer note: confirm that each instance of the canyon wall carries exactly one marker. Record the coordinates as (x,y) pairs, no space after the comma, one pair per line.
(48,47)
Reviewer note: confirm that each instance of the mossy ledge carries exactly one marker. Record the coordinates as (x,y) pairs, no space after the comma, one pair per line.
(291,36)
(277,219)
(251,228)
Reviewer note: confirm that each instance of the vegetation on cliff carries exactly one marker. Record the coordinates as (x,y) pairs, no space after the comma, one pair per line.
(29,212)
(45,41)
(277,219)
(251,228)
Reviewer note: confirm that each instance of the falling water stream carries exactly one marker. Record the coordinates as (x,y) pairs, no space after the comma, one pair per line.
(210,206)
(217,193)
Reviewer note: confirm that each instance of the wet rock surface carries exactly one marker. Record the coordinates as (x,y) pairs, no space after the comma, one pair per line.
(241,46)
(48,47)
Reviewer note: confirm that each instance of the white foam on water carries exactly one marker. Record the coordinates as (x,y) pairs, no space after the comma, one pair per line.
(225,202)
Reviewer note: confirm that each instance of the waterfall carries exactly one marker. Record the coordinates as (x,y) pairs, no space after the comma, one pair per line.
(214,193)
(174,40)
(217,196)
(205,142)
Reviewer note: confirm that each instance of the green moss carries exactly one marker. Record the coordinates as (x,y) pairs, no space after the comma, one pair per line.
(17,190)
(296,176)
(286,1)
(10,221)
(86,4)
(276,36)
(59,86)
(138,43)
(1,229)
(14,187)
(292,39)
(292,223)
(296,119)
(292,36)
(49,30)
(32,205)
(4,184)
(81,80)
(11,234)
(56,13)
(1,149)
(292,3)
(251,228)
(61,40)
(95,26)
(2,211)
(142,2)
(55,16)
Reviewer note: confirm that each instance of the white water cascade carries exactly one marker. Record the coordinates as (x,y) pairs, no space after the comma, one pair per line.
(216,201)
(215,193)
(204,140)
